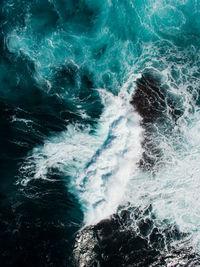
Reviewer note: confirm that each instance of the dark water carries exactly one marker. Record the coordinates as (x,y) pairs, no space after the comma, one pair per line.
(99,133)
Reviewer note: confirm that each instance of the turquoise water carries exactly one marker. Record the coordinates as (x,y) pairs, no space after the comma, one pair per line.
(72,142)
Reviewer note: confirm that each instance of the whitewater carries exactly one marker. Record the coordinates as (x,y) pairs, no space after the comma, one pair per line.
(105,100)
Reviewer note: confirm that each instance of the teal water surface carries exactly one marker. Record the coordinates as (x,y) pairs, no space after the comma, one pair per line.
(70,140)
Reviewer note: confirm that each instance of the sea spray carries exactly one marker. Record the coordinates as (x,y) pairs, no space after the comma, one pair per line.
(75,149)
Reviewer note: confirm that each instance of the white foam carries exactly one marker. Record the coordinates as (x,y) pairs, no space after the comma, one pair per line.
(99,164)
(113,165)
(174,191)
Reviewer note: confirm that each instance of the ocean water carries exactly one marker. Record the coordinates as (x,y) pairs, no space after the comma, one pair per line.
(99,133)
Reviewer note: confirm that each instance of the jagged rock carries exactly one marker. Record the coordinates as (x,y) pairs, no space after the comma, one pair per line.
(159,112)
(131,238)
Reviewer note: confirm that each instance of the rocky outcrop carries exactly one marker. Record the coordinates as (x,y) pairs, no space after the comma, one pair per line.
(131,238)
(159,112)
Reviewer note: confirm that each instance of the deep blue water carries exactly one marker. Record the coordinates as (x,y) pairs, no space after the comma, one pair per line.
(99,133)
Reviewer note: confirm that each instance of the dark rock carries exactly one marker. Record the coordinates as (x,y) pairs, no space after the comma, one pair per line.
(121,241)
(159,112)
(149,98)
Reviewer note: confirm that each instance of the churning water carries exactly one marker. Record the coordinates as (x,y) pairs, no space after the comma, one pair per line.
(100,112)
